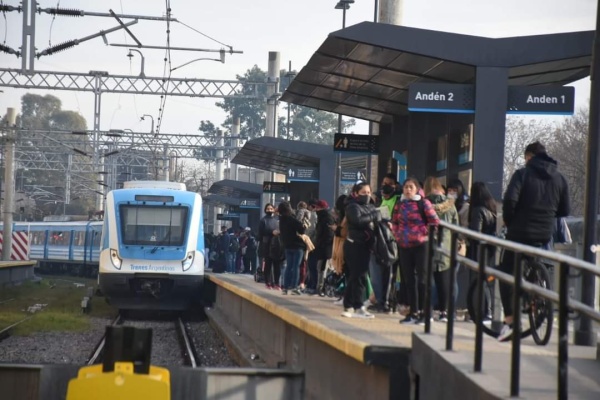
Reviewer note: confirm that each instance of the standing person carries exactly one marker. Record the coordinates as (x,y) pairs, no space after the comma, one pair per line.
(361,217)
(445,210)
(303,215)
(268,224)
(456,191)
(323,241)
(410,221)
(483,218)
(290,230)
(382,275)
(534,198)
(249,252)
(311,262)
(222,250)
(340,229)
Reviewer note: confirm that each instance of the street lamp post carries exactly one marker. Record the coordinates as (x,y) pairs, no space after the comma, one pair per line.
(142,74)
(289,75)
(341,5)
(142,118)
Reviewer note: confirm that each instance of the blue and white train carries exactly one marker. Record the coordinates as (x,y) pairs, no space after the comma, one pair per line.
(152,248)
(62,247)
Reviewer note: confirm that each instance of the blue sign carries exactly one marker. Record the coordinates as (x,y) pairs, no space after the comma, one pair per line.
(353,176)
(442,98)
(227,217)
(303,174)
(250,203)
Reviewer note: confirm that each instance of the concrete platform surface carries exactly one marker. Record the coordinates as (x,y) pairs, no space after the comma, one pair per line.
(322,319)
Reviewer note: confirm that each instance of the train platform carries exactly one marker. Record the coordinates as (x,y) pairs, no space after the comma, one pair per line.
(12,272)
(380,358)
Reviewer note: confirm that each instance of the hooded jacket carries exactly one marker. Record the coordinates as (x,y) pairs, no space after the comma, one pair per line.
(535,197)
(360,218)
(408,225)
(446,211)
(324,234)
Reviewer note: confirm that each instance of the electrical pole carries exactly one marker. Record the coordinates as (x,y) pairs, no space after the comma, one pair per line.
(9,183)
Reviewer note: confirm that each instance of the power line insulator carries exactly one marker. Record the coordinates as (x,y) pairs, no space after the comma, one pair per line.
(57,48)
(68,12)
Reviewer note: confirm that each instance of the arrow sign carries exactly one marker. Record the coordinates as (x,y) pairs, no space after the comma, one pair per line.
(353,175)
(250,203)
(365,144)
(275,187)
(303,174)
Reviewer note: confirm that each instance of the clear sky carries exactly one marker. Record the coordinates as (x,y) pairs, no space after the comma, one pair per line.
(294,28)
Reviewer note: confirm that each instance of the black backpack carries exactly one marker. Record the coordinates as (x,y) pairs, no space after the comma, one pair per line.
(386,247)
(234,244)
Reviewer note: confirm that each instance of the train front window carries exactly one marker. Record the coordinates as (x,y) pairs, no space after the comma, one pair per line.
(149,225)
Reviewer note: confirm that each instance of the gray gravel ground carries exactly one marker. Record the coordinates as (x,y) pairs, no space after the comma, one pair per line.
(75,347)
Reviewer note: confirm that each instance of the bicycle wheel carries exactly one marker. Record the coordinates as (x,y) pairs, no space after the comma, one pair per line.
(471,307)
(540,310)
(489,330)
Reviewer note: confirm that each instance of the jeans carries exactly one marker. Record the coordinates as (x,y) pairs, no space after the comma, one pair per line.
(293,259)
(230,260)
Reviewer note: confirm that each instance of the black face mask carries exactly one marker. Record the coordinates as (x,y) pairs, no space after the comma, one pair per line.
(387,190)
(363,199)
(269,213)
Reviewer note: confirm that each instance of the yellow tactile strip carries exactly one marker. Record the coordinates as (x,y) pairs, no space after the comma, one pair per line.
(11,264)
(352,347)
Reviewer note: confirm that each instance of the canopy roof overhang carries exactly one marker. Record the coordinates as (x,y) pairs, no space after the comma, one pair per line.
(365,70)
(278,155)
(219,200)
(235,190)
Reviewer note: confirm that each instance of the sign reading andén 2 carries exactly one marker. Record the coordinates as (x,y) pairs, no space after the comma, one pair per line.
(441,97)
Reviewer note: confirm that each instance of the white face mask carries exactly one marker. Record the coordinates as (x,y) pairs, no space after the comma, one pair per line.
(452,196)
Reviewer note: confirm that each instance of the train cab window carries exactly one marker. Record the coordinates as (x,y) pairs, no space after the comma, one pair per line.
(151,225)
(59,238)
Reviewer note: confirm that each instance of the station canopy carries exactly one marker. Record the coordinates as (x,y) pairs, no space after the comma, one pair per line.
(217,200)
(278,155)
(235,190)
(365,70)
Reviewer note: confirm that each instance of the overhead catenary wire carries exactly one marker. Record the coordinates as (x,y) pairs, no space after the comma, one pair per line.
(204,34)
(51,25)
(166,70)
(5,21)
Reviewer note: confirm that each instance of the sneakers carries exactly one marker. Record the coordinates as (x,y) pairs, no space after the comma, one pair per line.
(348,313)
(276,287)
(339,302)
(505,333)
(269,286)
(284,291)
(410,319)
(296,291)
(363,313)
(443,316)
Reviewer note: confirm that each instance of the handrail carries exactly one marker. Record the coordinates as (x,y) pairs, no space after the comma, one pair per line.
(561,297)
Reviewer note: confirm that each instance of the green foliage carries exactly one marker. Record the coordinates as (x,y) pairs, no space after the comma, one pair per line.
(306,124)
(45,113)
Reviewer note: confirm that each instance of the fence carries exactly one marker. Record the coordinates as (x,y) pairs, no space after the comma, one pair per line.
(565,304)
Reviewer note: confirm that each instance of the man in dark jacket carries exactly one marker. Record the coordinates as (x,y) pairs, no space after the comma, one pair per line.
(535,197)
(323,241)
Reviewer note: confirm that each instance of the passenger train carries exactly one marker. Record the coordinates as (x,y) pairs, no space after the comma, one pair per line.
(152,247)
(70,246)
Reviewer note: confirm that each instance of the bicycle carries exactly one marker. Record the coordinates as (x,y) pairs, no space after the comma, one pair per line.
(539,310)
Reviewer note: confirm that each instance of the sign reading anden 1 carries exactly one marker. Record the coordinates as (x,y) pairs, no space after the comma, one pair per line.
(441,97)
(556,100)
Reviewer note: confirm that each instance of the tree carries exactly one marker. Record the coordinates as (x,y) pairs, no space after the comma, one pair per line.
(519,133)
(45,113)
(569,147)
(306,124)
(197,177)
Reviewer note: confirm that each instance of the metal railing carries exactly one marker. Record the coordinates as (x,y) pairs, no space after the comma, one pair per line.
(565,304)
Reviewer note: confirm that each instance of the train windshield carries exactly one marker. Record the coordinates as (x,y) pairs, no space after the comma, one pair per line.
(150,225)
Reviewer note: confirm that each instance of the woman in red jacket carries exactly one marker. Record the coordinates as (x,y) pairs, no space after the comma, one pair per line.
(410,220)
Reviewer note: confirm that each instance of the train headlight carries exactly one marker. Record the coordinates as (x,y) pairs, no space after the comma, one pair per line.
(189,260)
(115,259)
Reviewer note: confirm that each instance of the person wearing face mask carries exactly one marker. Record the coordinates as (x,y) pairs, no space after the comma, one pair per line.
(361,216)
(266,228)
(410,220)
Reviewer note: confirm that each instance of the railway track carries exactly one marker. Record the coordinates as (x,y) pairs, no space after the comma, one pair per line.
(183,338)
(5,333)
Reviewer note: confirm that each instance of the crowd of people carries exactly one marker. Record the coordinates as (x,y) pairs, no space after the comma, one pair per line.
(313,242)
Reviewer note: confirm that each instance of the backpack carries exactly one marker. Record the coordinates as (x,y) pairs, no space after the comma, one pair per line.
(386,247)
(234,244)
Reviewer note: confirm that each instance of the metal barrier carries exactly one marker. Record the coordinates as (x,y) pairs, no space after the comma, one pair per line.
(562,297)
